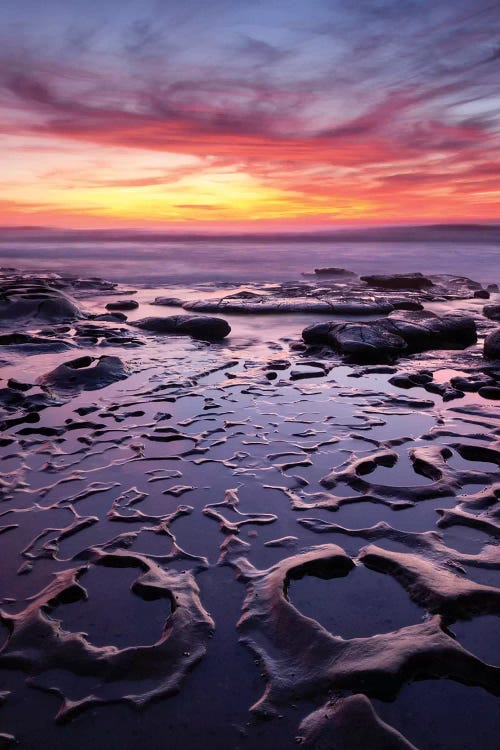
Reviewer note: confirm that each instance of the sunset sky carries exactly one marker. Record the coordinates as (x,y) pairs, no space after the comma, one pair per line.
(241,114)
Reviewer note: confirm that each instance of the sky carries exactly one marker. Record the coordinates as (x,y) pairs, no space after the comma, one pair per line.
(248,114)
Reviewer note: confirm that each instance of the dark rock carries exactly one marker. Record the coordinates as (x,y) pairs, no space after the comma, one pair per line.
(272,305)
(333,271)
(424,330)
(306,371)
(398,281)
(116,317)
(492,312)
(17,338)
(492,345)
(445,390)
(18,386)
(421,378)
(383,340)
(168,301)
(10,397)
(490,391)
(123,304)
(367,343)
(492,288)
(244,294)
(481,294)
(86,373)
(402,381)
(197,326)
(278,364)
(471,383)
(20,301)
(407,304)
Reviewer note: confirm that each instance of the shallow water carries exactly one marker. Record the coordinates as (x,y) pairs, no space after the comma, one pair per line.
(229,260)
(132,530)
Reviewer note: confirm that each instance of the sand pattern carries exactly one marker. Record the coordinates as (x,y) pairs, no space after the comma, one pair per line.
(212,481)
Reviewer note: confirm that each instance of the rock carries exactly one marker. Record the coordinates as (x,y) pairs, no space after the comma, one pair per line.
(17,385)
(306,371)
(10,398)
(490,391)
(492,345)
(45,304)
(278,364)
(424,330)
(367,343)
(86,373)
(269,305)
(492,288)
(402,381)
(421,378)
(385,340)
(407,304)
(197,326)
(168,301)
(398,281)
(333,271)
(492,312)
(244,294)
(116,317)
(33,342)
(481,294)
(123,304)
(446,391)
(471,383)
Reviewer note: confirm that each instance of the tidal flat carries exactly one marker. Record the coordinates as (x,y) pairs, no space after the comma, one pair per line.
(250,515)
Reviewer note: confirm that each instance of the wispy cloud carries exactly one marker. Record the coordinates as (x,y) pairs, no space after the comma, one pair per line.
(321,101)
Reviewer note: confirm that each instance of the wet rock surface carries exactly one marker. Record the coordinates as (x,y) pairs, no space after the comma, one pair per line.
(386,340)
(398,281)
(492,345)
(248,494)
(198,326)
(88,373)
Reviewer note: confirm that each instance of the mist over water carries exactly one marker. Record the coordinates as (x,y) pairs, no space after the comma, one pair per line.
(223,260)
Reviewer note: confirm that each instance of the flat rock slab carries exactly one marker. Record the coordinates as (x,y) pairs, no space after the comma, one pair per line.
(269,305)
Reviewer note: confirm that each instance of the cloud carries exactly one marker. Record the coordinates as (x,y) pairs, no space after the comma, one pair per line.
(316,99)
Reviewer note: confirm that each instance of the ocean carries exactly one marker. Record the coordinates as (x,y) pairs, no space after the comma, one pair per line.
(160,263)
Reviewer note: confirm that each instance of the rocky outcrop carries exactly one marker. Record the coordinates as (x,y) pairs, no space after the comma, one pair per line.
(385,340)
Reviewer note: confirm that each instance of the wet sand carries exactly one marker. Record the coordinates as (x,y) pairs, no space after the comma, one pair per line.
(244,541)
